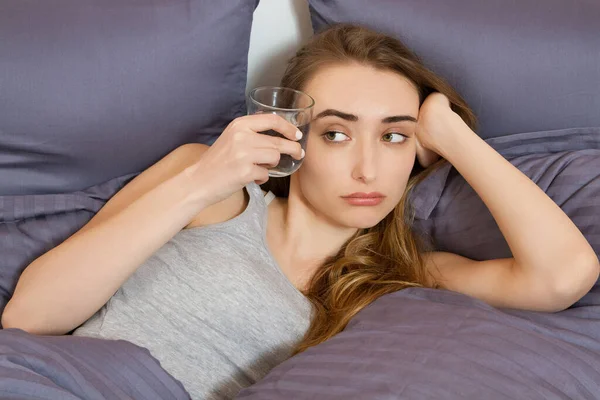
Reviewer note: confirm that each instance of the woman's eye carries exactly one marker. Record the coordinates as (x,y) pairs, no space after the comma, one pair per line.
(393,138)
(333,136)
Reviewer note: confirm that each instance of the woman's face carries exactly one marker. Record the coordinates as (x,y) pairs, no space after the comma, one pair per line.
(361,146)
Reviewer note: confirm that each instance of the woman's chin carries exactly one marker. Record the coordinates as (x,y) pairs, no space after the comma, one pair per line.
(362,218)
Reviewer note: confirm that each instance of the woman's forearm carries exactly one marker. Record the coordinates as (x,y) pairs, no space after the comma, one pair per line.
(64,287)
(544,241)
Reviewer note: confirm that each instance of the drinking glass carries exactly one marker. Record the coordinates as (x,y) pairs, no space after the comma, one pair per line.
(295,107)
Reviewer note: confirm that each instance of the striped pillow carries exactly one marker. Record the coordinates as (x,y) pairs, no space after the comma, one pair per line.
(32,225)
(564,163)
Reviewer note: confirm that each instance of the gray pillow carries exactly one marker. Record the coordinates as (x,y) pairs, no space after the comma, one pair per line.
(427,344)
(93,90)
(92,93)
(564,163)
(33,224)
(522,65)
(80,368)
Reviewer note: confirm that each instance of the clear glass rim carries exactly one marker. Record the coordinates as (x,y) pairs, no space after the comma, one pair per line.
(282,88)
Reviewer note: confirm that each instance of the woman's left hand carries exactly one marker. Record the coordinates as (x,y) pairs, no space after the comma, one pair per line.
(433,126)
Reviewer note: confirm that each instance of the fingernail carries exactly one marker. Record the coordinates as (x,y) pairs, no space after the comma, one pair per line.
(303,153)
(298,135)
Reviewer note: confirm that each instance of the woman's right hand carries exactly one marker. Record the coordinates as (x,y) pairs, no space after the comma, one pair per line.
(242,155)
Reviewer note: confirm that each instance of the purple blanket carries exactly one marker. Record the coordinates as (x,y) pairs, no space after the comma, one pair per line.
(70,368)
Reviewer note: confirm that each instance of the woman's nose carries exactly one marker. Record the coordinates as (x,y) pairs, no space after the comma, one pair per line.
(365,169)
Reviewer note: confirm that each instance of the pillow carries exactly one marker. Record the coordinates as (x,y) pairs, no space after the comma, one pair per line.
(73,367)
(564,163)
(93,90)
(434,344)
(92,93)
(32,225)
(521,66)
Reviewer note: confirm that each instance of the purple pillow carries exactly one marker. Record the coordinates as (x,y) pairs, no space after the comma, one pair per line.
(564,163)
(523,66)
(93,90)
(80,368)
(92,93)
(426,344)
(31,225)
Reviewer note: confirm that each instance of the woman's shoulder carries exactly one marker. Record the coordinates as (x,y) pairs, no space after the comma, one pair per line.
(167,167)
(251,200)
(172,164)
(227,209)
(247,199)
(222,211)
(183,156)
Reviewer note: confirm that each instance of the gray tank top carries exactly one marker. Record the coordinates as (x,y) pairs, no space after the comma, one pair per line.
(211,305)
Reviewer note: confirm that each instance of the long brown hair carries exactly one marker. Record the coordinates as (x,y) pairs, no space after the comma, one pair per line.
(387,257)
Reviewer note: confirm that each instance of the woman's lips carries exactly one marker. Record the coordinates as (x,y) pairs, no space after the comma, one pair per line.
(364,199)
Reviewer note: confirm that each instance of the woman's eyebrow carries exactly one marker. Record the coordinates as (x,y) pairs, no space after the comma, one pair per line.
(353,118)
(398,118)
(336,113)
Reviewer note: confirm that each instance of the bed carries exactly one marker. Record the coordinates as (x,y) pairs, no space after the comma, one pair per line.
(92,93)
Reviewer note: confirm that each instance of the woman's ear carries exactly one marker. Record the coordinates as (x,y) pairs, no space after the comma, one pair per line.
(425,156)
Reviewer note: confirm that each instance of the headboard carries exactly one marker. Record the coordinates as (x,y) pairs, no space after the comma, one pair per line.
(279,28)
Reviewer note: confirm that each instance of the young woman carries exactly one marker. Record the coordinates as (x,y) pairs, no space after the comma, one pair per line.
(190,261)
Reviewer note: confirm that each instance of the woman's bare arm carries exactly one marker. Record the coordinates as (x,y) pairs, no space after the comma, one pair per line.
(64,287)
(553,264)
